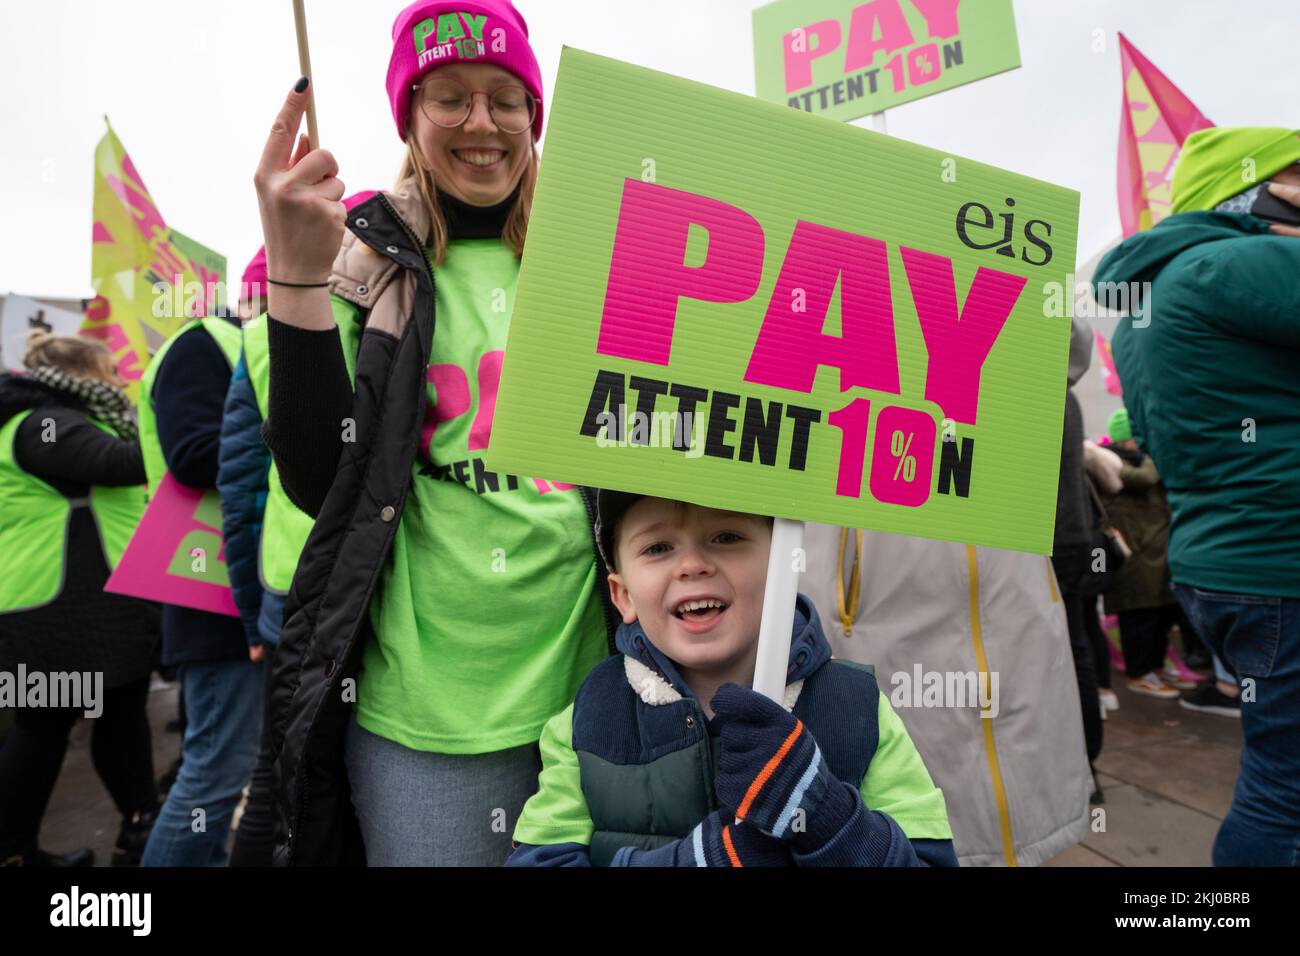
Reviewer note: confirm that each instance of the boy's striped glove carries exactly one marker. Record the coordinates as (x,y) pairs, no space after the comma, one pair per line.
(718,840)
(772,773)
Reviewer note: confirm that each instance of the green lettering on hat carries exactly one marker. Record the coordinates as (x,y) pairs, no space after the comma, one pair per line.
(475,24)
(449,27)
(421,34)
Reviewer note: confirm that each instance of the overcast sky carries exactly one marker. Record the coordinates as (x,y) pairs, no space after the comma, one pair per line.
(192,87)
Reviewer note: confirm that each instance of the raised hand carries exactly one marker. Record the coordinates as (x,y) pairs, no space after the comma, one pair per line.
(1289,194)
(298,195)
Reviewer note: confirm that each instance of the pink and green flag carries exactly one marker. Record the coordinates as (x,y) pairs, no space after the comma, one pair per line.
(1155,119)
(149,279)
(1109,375)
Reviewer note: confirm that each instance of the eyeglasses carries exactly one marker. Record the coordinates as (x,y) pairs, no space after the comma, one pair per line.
(447,103)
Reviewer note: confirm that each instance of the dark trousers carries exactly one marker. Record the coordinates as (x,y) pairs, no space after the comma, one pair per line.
(120,748)
(1144,636)
(1192,643)
(1097,640)
(1076,606)
(255,837)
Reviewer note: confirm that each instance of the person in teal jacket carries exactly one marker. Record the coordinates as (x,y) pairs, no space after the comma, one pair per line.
(1210,362)
(667,758)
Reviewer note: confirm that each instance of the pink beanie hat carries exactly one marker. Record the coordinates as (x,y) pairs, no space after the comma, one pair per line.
(433,33)
(254,281)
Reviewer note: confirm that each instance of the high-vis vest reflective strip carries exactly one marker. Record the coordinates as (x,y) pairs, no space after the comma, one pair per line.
(227,336)
(284,525)
(34,523)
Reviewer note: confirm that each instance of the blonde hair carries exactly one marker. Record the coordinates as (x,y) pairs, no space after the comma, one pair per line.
(72,354)
(515,230)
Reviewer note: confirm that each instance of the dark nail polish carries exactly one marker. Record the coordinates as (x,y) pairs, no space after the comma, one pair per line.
(300,85)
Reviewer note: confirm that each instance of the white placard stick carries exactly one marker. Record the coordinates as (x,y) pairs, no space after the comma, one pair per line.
(304,64)
(778,609)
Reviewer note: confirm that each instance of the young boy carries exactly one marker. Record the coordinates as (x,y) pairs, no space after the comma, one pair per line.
(665,747)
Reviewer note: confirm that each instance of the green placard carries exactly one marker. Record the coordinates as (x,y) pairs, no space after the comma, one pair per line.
(844,59)
(820,322)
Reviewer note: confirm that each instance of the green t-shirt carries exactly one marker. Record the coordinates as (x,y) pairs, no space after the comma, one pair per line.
(486,617)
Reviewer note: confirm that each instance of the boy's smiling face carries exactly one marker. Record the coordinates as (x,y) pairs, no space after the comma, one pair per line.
(694,577)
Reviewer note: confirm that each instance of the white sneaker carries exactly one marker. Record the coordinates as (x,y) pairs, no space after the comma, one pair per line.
(1109,699)
(1151,685)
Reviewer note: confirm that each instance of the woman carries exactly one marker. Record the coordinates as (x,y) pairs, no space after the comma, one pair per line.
(1142,595)
(71,493)
(453,609)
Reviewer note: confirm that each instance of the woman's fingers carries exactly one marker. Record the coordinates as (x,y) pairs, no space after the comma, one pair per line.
(298,193)
(331,189)
(279,142)
(317,165)
(1286,193)
(303,148)
(1284,230)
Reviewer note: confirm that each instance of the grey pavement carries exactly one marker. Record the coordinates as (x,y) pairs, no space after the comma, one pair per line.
(1167,776)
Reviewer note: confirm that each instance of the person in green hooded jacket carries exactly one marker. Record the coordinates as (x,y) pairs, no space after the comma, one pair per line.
(1210,361)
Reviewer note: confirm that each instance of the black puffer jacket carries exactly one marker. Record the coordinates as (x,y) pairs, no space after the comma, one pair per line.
(357,491)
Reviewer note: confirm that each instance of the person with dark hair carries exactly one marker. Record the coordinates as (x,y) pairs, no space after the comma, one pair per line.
(1141,596)
(183,394)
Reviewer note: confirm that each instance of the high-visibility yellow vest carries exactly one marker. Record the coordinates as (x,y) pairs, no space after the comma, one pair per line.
(34,524)
(227,337)
(285,526)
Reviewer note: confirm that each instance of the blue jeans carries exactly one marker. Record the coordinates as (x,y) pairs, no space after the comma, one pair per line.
(1258,638)
(425,809)
(223,714)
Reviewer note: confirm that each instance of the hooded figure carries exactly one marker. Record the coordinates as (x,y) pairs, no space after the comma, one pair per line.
(1211,371)
(1211,367)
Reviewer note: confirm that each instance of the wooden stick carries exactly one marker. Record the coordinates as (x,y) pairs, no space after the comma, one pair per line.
(304,64)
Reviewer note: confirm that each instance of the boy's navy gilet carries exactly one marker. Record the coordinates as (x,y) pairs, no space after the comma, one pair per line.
(647,770)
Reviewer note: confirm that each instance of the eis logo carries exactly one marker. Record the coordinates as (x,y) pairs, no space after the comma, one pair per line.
(454,35)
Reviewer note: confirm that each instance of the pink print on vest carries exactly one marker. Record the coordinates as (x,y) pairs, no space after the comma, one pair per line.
(451,400)
(489,380)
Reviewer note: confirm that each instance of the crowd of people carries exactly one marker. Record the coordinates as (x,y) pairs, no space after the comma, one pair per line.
(428,669)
